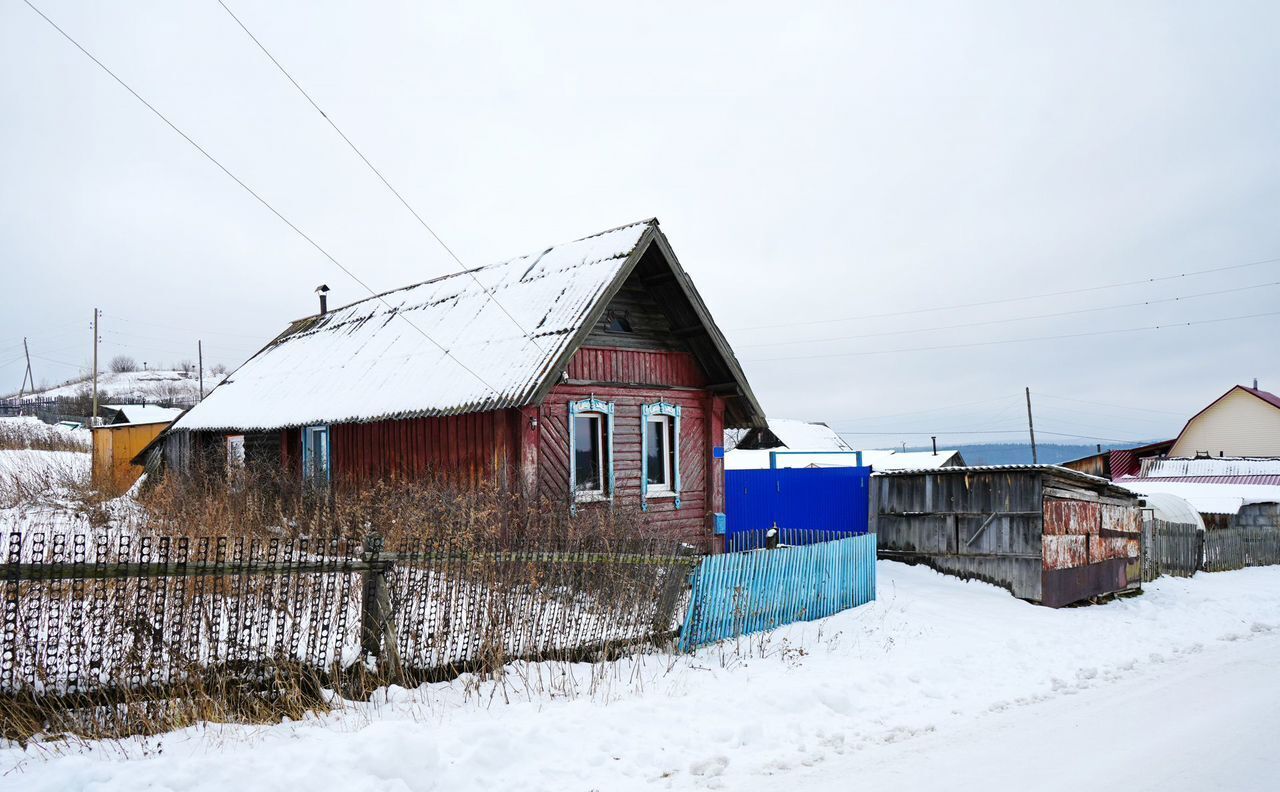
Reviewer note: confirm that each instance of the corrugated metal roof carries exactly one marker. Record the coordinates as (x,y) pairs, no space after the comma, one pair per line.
(1210,466)
(364,362)
(1055,469)
(1261,479)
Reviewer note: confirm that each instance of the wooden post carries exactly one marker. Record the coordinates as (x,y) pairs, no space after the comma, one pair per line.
(1035,458)
(28,375)
(94,422)
(377,630)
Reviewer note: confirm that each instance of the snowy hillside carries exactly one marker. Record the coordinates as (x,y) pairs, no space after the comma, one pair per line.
(135,386)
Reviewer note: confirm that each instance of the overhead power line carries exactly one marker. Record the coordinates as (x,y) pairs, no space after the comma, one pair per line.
(985,322)
(1064,292)
(463,268)
(259,198)
(1015,340)
(1104,404)
(941,433)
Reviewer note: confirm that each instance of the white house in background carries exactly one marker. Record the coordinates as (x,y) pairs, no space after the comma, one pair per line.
(1243,422)
(790,443)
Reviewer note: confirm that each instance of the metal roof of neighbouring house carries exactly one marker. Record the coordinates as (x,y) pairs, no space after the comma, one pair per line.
(446,347)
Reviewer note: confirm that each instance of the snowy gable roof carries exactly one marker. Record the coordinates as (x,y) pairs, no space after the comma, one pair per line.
(441,347)
(803,436)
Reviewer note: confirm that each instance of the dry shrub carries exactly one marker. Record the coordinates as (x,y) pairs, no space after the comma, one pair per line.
(31,434)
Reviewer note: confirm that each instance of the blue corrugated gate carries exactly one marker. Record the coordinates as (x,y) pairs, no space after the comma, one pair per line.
(829,500)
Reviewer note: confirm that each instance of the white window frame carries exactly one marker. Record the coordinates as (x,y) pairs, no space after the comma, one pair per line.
(669,416)
(309,474)
(604,412)
(667,487)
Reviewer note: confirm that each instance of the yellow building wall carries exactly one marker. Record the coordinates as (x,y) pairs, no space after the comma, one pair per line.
(1238,424)
(114,448)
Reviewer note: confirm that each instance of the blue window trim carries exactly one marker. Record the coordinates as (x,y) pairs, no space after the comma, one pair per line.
(590,405)
(646,411)
(308,450)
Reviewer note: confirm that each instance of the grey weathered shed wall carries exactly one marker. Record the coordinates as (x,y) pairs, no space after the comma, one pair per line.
(1046,534)
(983,525)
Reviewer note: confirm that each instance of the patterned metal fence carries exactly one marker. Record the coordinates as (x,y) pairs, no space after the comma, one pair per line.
(103,625)
(739,593)
(1240,547)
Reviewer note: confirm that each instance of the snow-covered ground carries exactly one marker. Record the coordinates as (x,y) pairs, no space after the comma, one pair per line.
(938,683)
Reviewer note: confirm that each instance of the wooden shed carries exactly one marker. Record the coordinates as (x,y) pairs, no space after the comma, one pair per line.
(114,448)
(589,373)
(1048,534)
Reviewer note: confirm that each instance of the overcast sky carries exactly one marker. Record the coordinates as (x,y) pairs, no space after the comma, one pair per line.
(828,175)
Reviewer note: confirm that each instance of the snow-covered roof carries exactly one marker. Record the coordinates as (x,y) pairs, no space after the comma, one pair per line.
(1172,508)
(1157,467)
(1206,498)
(440,347)
(803,436)
(908,460)
(145,413)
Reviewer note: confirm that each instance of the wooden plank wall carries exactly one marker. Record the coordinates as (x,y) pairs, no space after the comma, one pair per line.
(634,366)
(699,494)
(470,449)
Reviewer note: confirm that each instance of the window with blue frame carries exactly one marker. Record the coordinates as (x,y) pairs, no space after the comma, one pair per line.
(660,452)
(591,449)
(315,455)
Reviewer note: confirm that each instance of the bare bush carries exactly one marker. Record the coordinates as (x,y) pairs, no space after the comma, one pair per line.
(123,364)
(32,434)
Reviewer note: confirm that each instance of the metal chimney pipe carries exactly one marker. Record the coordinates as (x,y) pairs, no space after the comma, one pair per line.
(935,445)
(323,291)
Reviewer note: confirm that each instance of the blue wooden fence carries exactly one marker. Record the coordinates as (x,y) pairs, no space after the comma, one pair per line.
(834,500)
(739,593)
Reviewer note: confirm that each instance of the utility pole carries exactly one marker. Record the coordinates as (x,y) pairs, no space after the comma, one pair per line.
(1035,458)
(28,375)
(200,363)
(94,422)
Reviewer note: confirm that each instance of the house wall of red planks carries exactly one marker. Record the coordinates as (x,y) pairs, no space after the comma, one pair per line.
(470,449)
(636,366)
(701,478)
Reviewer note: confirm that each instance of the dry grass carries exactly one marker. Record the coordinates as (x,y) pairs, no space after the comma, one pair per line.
(484,581)
(19,434)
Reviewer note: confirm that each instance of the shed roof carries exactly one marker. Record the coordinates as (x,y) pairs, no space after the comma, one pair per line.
(444,347)
(806,436)
(144,413)
(1056,470)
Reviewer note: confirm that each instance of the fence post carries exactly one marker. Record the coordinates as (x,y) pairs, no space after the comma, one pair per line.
(377,628)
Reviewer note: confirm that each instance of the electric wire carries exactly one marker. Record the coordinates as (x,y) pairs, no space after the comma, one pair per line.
(464,269)
(1015,340)
(258,197)
(1064,292)
(985,322)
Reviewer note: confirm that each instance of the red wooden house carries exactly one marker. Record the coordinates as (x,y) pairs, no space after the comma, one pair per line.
(589,372)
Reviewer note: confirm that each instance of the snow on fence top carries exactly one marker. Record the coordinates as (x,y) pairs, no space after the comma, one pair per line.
(364,362)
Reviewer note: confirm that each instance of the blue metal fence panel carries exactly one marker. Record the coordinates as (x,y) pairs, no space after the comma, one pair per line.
(739,593)
(809,499)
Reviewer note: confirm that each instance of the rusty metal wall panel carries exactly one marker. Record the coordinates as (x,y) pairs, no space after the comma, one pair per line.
(1070,517)
(1064,552)
(1064,586)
